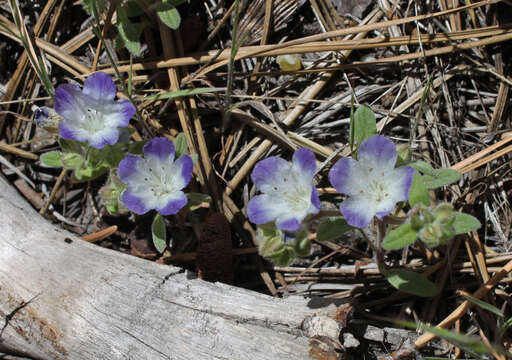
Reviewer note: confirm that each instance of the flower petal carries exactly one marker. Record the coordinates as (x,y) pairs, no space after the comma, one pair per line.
(160,148)
(121,113)
(315,201)
(104,137)
(378,152)
(345,176)
(68,132)
(261,210)
(66,101)
(357,211)
(184,165)
(134,203)
(128,170)
(287,223)
(100,86)
(400,181)
(174,203)
(269,172)
(305,160)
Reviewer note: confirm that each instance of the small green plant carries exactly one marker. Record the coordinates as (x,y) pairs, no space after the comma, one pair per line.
(377,189)
(129,30)
(94,139)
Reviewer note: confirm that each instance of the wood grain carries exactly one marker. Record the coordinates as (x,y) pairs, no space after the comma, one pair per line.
(64,298)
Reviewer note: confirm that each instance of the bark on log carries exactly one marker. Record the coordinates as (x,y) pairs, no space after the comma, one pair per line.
(63,298)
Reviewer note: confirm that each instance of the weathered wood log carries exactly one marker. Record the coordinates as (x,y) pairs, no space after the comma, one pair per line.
(63,298)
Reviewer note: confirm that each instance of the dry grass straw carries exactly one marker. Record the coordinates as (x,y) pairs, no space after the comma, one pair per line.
(354,38)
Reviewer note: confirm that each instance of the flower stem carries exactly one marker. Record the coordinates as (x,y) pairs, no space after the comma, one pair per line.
(379,254)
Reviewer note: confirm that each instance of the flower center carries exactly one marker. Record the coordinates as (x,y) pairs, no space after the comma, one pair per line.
(159,180)
(377,190)
(94,121)
(296,194)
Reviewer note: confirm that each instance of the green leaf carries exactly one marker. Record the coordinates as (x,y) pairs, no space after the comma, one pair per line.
(270,245)
(168,13)
(88,173)
(180,145)
(136,147)
(418,194)
(52,159)
(128,31)
(72,161)
(404,155)
(132,8)
(114,155)
(465,223)
(441,177)
(158,232)
(302,245)
(181,93)
(196,199)
(70,146)
(423,168)
(484,305)
(467,342)
(111,195)
(332,228)
(400,237)
(283,257)
(365,125)
(411,283)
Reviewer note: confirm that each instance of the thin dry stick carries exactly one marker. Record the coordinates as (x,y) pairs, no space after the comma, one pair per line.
(219,25)
(55,52)
(169,52)
(14,150)
(487,159)
(206,161)
(21,69)
(405,57)
(54,191)
(502,98)
(348,31)
(466,305)
(461,166)
(31,84)
(310,92)
(192,256)
(311,47)
(100,235)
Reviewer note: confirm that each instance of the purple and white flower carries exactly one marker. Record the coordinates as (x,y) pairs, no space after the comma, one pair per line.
(92,114)
(288,193)
(372,182)
(155,181)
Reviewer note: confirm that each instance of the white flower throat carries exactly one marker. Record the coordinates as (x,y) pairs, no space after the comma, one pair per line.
(292,190)
(94,120)
(159,179)
(376,186)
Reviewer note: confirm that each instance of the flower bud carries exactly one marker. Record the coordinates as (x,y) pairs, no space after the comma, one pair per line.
(421,217)
(404,154)
(46,118)
(444,214)
(431,235)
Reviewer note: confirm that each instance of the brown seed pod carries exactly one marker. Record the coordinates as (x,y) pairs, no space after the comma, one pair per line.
(214,259)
